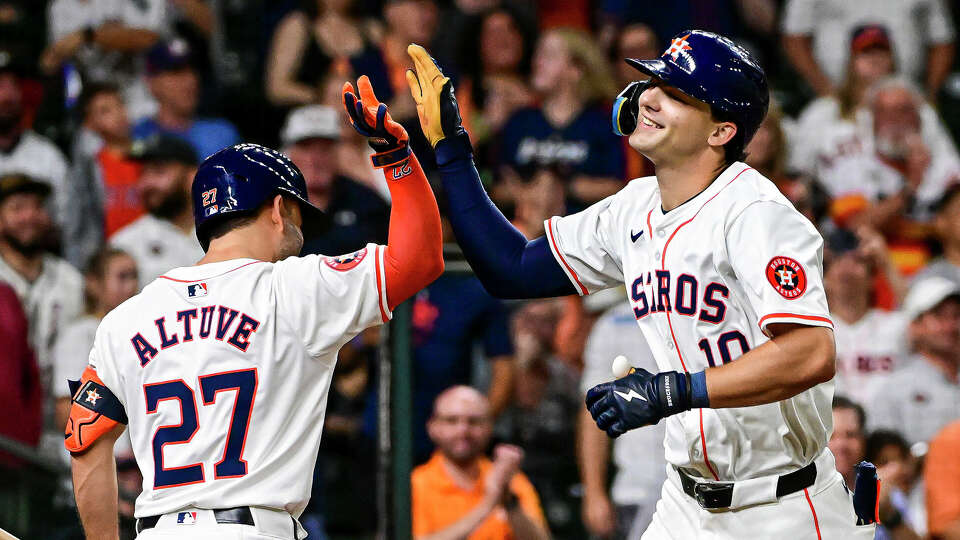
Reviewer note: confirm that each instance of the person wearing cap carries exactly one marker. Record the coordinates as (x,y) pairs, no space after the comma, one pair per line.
(725,278)
(946,226)
(924,396)
(49,288)
(175,85)
(358,214)
(22,150)
(870,341)
(164,237)
(816,34)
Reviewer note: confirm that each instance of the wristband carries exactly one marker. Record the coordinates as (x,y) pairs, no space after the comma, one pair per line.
(698,390)
(453,148)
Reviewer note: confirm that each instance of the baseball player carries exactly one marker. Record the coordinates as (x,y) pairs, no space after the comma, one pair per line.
(724,277)
(220,371)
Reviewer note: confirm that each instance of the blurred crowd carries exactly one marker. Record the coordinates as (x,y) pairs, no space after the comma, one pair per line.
(108,106)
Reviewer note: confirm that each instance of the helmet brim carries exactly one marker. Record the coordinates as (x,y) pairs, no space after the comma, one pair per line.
(672,77)
(315,221)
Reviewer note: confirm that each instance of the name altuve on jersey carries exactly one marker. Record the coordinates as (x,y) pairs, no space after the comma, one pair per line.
(184,330)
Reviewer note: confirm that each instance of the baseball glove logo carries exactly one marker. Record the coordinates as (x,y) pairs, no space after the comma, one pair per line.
(346,262)
(787,277)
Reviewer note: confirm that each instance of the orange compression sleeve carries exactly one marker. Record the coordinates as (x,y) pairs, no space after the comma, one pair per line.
(414,254)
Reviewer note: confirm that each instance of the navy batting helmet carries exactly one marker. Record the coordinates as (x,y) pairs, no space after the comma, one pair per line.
(241,178)
(712,69)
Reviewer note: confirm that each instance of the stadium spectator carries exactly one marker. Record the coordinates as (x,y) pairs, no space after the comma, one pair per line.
(536,198)
(894,177)
(23,28)
(816,34)
(408,21)
(901,494)
(50,290)
(571,127)
(829,123)
(546,400)
(103,40)
(848,440)
(494,61)
(22,150)
(941,472)
(21,394)
(870,341)
(322,39)
(103,179)
(923,396)
(164,237)
(460,492)
(358,213)
(175,85)
(625,508)
(947,227)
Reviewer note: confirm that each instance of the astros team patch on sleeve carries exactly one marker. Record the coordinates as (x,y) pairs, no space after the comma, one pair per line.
(343,263)
(787,277)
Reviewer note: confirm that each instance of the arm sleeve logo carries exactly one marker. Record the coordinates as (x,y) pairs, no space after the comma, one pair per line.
(787,277)
(343,263)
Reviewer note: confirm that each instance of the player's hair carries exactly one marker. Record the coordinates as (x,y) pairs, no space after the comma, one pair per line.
(882,438)
(96,268)
(843,402)
(735,148)
(90,91)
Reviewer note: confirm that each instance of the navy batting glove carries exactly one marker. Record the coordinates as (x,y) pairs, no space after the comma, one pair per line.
(639,399)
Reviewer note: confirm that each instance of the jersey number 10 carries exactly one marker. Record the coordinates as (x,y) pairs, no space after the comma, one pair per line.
(231,465)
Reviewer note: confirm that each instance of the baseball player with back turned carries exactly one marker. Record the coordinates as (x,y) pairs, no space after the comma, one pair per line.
(725,280)
(220,371)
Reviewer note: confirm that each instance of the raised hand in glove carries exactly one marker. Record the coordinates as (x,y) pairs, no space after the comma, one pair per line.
(433,93)
(639,399)
(372,120)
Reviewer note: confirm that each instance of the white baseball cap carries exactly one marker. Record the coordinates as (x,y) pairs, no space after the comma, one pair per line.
(311,122)
(926,294)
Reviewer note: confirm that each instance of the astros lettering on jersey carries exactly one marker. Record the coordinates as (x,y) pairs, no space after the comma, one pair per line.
(705,280)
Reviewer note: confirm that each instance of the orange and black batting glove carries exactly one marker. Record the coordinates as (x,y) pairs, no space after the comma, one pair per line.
(433,92)
(372,120)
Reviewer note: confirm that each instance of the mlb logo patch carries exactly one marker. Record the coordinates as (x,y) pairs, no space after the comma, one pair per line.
(186,518)
(195,290)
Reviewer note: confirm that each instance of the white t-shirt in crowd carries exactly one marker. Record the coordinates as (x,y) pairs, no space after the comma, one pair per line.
(157,245)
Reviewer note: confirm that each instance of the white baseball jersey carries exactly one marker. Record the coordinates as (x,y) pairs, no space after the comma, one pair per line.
(705,280)
(223,370)
(157,245)
(867,349)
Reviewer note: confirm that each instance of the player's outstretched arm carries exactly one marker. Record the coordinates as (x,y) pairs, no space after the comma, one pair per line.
(505,262)
(413,257)
(95,486)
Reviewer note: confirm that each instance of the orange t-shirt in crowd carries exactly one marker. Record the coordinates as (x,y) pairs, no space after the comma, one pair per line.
(942,476)
(121,204)
(438,502)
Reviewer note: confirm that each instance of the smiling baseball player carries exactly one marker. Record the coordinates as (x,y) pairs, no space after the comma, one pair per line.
(725,280)
(221,370)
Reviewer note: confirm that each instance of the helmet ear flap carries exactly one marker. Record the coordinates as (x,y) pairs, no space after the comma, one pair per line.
(626,108)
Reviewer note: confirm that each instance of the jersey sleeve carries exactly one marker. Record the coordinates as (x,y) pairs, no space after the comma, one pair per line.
(329,300)
(582,244)
(777,255)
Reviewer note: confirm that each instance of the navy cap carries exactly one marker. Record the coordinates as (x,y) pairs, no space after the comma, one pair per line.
(716,71)
(163,147)
(170,55)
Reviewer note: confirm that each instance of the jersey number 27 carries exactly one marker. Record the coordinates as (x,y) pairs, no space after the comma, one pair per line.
(231,465)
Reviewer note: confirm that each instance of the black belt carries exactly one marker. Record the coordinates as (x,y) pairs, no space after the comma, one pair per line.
(230,516)
(713,495)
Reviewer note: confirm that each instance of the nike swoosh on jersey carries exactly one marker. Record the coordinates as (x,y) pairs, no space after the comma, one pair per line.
(628,396)
(635,237)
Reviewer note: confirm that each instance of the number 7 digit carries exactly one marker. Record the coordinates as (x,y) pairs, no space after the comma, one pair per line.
(232,464)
